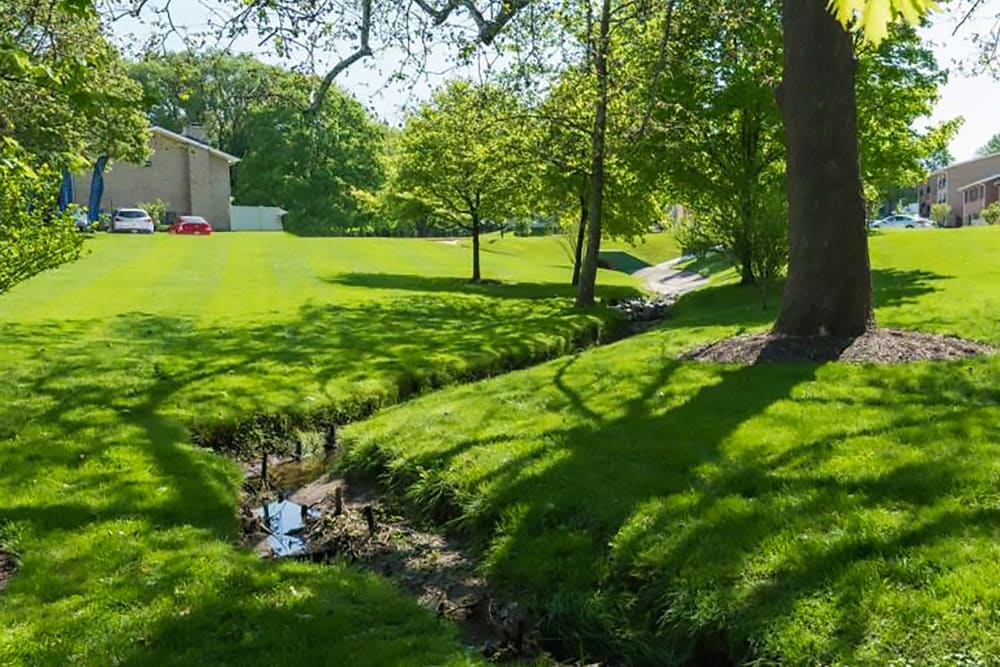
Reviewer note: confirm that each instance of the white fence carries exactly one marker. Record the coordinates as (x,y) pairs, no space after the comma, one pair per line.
(257,219)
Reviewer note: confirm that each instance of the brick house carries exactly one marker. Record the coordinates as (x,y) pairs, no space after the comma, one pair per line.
(977,196)
(949,186)
(184,171)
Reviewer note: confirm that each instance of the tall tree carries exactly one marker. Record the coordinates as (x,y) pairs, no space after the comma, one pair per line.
(458,158)
(828,290)
(723,142)
(212,88)
(313,165)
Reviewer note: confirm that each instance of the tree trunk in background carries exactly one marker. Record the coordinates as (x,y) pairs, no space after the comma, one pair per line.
(581,239)
(746,274)
(588,272)
(476,277)
(829,286)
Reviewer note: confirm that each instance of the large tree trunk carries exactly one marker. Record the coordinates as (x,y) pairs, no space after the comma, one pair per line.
(829,277)
(476,277)
(581,239)
(588,272)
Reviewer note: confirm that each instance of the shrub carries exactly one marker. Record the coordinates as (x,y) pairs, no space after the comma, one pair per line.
(157,210)
(940,212)
(991,214)
(33,237)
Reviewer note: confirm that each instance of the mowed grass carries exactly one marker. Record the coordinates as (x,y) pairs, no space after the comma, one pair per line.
(692,514)
(126,532)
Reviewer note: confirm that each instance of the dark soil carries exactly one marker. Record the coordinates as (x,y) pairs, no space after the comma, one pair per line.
(8,565)
(433,568)
(879,346)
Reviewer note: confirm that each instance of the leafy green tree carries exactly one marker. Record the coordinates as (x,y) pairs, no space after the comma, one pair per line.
(217,90)
(64,100)
(990,147)
(725,156)
(458,159)
(312,166)
(898,82)
(33,235)
(64,93)
(563,153)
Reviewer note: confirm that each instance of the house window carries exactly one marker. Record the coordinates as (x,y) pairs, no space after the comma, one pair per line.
(943,182)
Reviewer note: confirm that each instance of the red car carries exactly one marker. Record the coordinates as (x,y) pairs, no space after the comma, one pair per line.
(191,224)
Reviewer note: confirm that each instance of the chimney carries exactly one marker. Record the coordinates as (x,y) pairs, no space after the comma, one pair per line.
(195,131)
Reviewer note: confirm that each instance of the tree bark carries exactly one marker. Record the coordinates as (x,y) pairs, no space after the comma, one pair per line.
(746,271)
(581,239)
(588,272)
(829,289)
(476,277)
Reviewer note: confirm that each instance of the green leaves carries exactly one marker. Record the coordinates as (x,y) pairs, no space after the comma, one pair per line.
(33,236)
(873,17)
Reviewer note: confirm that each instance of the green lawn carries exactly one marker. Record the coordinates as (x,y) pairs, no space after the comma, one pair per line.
(125,530)
(778,515)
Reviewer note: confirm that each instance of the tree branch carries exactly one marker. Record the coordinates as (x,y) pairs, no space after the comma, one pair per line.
(363,51)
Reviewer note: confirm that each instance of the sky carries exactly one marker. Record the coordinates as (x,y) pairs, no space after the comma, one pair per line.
(976,98)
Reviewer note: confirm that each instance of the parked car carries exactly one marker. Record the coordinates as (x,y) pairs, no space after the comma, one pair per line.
(132,220)
(901,221)
(191,224)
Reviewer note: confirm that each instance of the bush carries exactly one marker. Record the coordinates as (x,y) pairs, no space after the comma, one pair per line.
(157,210)
(991,214)
(940,212)
(33,238)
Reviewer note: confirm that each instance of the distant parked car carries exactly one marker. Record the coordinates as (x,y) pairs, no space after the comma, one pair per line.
(901,221)
(191,224)
(133,220)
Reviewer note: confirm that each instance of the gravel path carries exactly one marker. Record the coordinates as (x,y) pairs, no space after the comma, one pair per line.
(667,280)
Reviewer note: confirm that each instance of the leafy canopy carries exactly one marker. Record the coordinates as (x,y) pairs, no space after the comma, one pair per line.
(990,147)
(460,158)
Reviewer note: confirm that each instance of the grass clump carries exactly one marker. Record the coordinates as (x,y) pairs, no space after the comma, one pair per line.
(676,513)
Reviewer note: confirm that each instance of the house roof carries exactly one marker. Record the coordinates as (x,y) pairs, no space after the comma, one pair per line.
(995,177)
(231,159)
(960,164)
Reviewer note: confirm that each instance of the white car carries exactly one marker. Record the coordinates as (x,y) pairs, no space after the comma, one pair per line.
(133,220)
(901,221)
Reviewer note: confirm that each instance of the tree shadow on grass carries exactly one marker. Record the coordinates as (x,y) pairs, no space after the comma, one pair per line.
(96,453)
(716,512)
(898,287)
(511,290)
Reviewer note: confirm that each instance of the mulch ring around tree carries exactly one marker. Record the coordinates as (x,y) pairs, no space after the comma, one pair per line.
(8,565)
(878,346)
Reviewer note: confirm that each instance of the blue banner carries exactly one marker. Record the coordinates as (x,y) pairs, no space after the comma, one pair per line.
(96,189)
(66,191)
